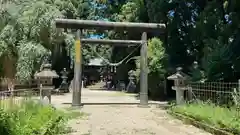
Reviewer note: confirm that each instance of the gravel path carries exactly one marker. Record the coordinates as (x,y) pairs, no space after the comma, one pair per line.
(123,119)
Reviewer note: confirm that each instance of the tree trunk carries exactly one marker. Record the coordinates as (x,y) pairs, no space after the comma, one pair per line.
(9,70)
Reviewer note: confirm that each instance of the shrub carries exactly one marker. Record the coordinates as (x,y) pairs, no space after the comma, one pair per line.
(5,124)
(31,118)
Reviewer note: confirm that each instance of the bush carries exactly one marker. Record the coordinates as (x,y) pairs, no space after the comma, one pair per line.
(5,127)
(31,118)
(227,119)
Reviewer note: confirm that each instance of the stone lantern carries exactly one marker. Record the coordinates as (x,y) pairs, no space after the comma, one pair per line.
(132,78)
(180,84)
(45,80)
(64,85)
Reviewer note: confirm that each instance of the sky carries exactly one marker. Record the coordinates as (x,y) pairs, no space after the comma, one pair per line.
(95,36)
(98,7)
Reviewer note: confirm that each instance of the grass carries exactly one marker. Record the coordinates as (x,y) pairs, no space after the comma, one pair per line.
(227,119)
(29,117)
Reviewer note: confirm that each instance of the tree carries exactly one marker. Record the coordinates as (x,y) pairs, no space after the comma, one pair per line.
(27,32)
(157,60)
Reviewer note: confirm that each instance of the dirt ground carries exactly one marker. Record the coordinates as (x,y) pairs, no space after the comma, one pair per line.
(122,119)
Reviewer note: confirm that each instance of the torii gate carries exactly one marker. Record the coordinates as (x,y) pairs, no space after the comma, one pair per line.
(122,26)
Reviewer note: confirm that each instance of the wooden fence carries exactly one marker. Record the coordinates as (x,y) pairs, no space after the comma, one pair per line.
(6,84)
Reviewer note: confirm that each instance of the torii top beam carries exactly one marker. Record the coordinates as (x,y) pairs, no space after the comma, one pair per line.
(104,25)
(112,42)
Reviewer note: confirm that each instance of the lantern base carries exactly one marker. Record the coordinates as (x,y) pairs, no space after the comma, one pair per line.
(180,97)
(77,106)
(144,106)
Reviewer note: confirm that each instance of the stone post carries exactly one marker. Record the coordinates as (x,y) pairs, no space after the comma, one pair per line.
(144,72)
(77,80)
(179,94)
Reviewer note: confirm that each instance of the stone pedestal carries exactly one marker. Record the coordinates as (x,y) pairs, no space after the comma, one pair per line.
(45,93)
(180,97)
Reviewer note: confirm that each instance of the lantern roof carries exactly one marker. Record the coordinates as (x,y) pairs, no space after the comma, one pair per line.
(46,72)
(179,75)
